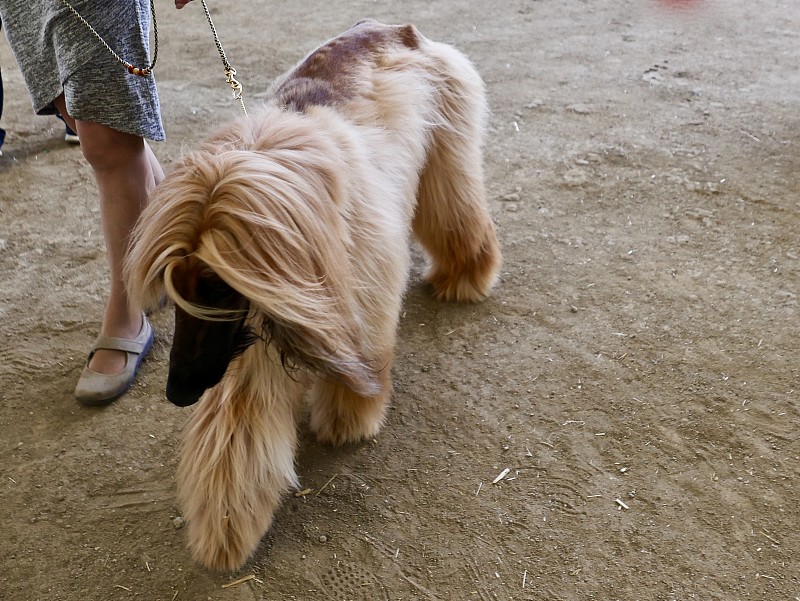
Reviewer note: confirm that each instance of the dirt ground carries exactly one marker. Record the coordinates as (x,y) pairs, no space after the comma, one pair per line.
(636,369)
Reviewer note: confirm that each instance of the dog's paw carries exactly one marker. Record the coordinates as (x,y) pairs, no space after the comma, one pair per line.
(466,286)
(226,552)
(454,288)
(341,432)
(342,429)
(467,280)
(340,416)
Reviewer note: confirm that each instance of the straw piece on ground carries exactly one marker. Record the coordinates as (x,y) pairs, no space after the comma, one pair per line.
(240,581)
(502,475)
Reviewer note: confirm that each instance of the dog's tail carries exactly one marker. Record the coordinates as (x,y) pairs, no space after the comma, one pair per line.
(258,207)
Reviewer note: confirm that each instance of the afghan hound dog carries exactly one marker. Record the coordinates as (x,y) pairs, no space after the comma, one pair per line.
(284,243)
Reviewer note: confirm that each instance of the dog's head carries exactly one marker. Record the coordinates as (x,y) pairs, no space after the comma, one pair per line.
(245,237)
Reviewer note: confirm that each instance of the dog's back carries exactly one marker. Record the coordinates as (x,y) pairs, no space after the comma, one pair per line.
(329,76)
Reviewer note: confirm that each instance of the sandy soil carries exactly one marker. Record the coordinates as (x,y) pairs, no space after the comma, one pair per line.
(636,369)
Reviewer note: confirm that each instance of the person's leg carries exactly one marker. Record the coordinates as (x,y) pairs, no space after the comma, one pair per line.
(2,131)
(125,170)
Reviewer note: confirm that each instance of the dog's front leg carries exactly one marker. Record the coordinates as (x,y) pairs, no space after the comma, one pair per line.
(237,459)
(339,415)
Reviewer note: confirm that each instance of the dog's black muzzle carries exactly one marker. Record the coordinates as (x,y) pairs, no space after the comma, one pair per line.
(182,395)
(201,353)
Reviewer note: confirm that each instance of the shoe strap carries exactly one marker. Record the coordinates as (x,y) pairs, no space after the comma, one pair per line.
(118,344)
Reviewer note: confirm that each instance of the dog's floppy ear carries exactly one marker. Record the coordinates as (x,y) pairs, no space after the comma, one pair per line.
(303,346)
(312,321)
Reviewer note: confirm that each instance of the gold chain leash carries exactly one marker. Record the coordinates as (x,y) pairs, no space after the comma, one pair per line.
(141,72)
(229,70)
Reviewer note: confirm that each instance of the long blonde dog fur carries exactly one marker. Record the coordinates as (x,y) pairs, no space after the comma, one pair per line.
(305,210)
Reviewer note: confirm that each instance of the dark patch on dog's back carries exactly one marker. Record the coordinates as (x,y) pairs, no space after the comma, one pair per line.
(325,77)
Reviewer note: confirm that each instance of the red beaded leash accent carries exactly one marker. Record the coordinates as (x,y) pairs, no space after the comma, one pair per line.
(137,71)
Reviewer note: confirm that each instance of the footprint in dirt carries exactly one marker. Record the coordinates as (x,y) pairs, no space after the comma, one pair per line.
(351,582)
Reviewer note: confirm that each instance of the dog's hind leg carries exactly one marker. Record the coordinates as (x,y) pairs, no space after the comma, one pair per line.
(339,415)
(237,459)
(452,220)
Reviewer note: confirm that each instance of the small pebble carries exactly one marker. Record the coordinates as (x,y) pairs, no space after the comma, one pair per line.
(323,539)
(178,522)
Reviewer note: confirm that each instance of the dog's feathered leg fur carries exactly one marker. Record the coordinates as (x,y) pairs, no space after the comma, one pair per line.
(452,220)
(339,415)
(237,459)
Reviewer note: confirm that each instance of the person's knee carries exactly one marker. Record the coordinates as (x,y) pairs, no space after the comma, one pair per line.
(108,149)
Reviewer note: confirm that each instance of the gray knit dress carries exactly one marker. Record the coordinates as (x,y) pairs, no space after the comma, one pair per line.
(56,52)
